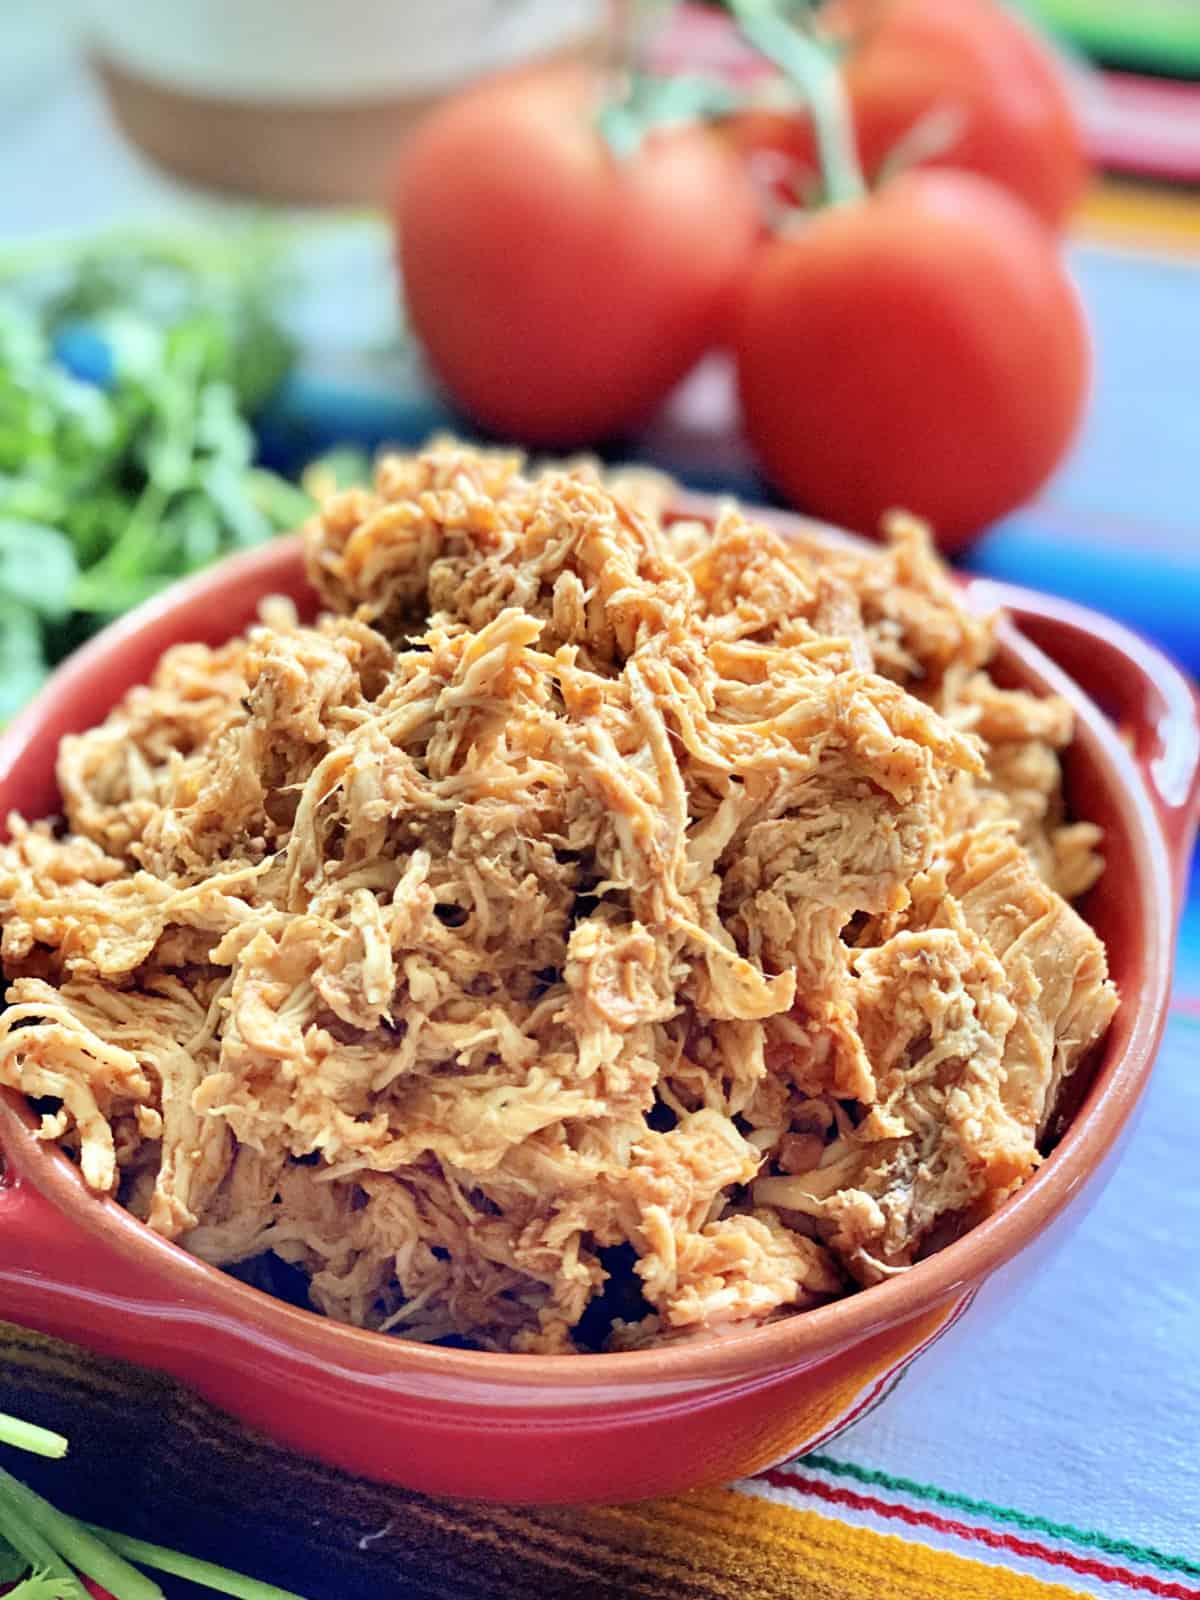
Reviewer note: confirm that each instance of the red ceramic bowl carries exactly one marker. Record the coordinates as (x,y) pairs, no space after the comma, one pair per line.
(598,1427)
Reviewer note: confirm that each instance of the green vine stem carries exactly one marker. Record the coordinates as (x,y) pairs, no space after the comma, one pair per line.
(637,101)
(809,64)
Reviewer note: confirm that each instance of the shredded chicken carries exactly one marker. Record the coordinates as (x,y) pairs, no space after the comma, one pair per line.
(588,932)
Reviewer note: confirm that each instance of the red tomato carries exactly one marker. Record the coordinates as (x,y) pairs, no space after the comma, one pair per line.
(924,350)
(560,293)
(996,81)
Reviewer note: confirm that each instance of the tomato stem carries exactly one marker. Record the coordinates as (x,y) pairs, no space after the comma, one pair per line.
(814,69)
(638,100)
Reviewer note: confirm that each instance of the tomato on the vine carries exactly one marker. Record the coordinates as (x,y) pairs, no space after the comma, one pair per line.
(923,349)
(561,291)
(957,83)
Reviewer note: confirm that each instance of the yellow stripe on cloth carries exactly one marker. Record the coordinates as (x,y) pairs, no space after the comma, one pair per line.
(718,1544)
(756,1549)
(1142,216)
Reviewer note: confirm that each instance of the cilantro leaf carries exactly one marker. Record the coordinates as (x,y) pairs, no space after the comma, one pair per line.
(37,567)
(130,372)
(41,1586)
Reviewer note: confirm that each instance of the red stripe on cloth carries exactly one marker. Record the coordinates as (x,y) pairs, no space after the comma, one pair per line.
(1104,1571)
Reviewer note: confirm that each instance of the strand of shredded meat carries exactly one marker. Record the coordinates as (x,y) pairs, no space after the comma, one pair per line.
(575,894)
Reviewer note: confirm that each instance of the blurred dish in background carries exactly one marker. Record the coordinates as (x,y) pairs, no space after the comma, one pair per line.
(298,100)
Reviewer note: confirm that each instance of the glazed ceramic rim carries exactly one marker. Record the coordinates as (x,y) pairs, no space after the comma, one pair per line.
(791,1342)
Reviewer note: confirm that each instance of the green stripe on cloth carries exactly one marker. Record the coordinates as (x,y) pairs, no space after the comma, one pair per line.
(1089,1537)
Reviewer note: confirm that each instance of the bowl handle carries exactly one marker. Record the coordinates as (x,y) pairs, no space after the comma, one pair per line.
(1152,701)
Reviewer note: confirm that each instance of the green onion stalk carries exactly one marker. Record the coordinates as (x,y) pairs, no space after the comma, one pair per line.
(44,1550)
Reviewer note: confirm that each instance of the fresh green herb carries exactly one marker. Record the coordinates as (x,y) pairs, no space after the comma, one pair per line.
(34,1549)
(128,377)
(40,1586)
(205,1573)
(68,1544)
(42,1549)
